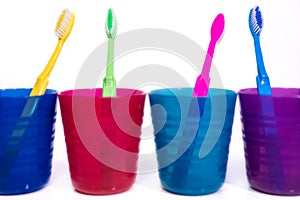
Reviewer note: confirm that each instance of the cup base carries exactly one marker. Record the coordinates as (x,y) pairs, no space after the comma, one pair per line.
(194,192)
(103,192)
(21,191)
(277,193)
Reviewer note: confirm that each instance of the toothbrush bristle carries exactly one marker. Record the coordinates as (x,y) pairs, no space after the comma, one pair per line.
(64,24)
(256,20)
(111,24)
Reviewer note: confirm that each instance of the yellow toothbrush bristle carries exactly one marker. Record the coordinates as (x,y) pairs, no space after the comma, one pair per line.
(64,24)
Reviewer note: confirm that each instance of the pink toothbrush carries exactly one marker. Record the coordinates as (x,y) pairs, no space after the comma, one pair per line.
(203,80)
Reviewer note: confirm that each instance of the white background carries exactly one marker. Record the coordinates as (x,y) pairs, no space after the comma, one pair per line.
(27,41)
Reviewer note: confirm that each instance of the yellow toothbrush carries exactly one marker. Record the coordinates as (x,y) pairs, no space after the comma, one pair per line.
(62,31)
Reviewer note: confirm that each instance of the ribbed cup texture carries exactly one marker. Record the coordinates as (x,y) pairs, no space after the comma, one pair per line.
(102,137)
(183,126)
(26,143)
(272,141)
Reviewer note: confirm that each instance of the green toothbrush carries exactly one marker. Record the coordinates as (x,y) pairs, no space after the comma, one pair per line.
(109,82)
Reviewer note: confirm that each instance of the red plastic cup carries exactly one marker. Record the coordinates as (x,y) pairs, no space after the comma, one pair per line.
(102,136)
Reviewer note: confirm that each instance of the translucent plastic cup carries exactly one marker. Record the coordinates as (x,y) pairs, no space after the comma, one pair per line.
(271,133)
(102,137)
(26,141)
(192,137)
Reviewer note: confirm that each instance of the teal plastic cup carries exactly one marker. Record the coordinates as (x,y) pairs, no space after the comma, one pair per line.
(192,137)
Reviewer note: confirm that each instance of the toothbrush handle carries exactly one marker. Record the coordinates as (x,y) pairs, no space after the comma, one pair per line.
(263,85)
(110,58)
(262,79)
(109,81)
(203,80)
(42,81)
(208,59)
(201,87)
(271,133)
(267,108)
(40,86)
(259,58)
(18,134)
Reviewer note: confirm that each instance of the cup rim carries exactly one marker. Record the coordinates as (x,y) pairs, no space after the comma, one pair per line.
(48,92)
(91,92)
(293,92)
(158,92)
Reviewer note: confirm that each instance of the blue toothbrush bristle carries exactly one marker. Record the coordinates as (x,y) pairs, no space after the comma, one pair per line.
(256,20)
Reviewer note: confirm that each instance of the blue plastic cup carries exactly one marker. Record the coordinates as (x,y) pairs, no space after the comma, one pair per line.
(26,140)
(192,137)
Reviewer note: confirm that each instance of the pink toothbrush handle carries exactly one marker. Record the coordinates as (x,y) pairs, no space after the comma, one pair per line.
(201,88)
(203,80)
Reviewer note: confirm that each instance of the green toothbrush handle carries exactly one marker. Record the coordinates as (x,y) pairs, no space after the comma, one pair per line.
(109,87)
(109,82)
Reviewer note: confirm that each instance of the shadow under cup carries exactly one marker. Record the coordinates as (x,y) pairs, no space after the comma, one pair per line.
(271,134)
(26,140)
(192,137)
(102,137)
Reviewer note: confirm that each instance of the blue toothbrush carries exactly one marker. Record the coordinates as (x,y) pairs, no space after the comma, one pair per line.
(264,88)
(255,25)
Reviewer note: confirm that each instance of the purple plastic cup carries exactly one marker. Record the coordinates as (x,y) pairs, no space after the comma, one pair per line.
(271,134)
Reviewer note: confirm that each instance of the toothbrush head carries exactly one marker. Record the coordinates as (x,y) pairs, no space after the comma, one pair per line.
(64,24)
(217,27)
(111,24)
(255,21)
